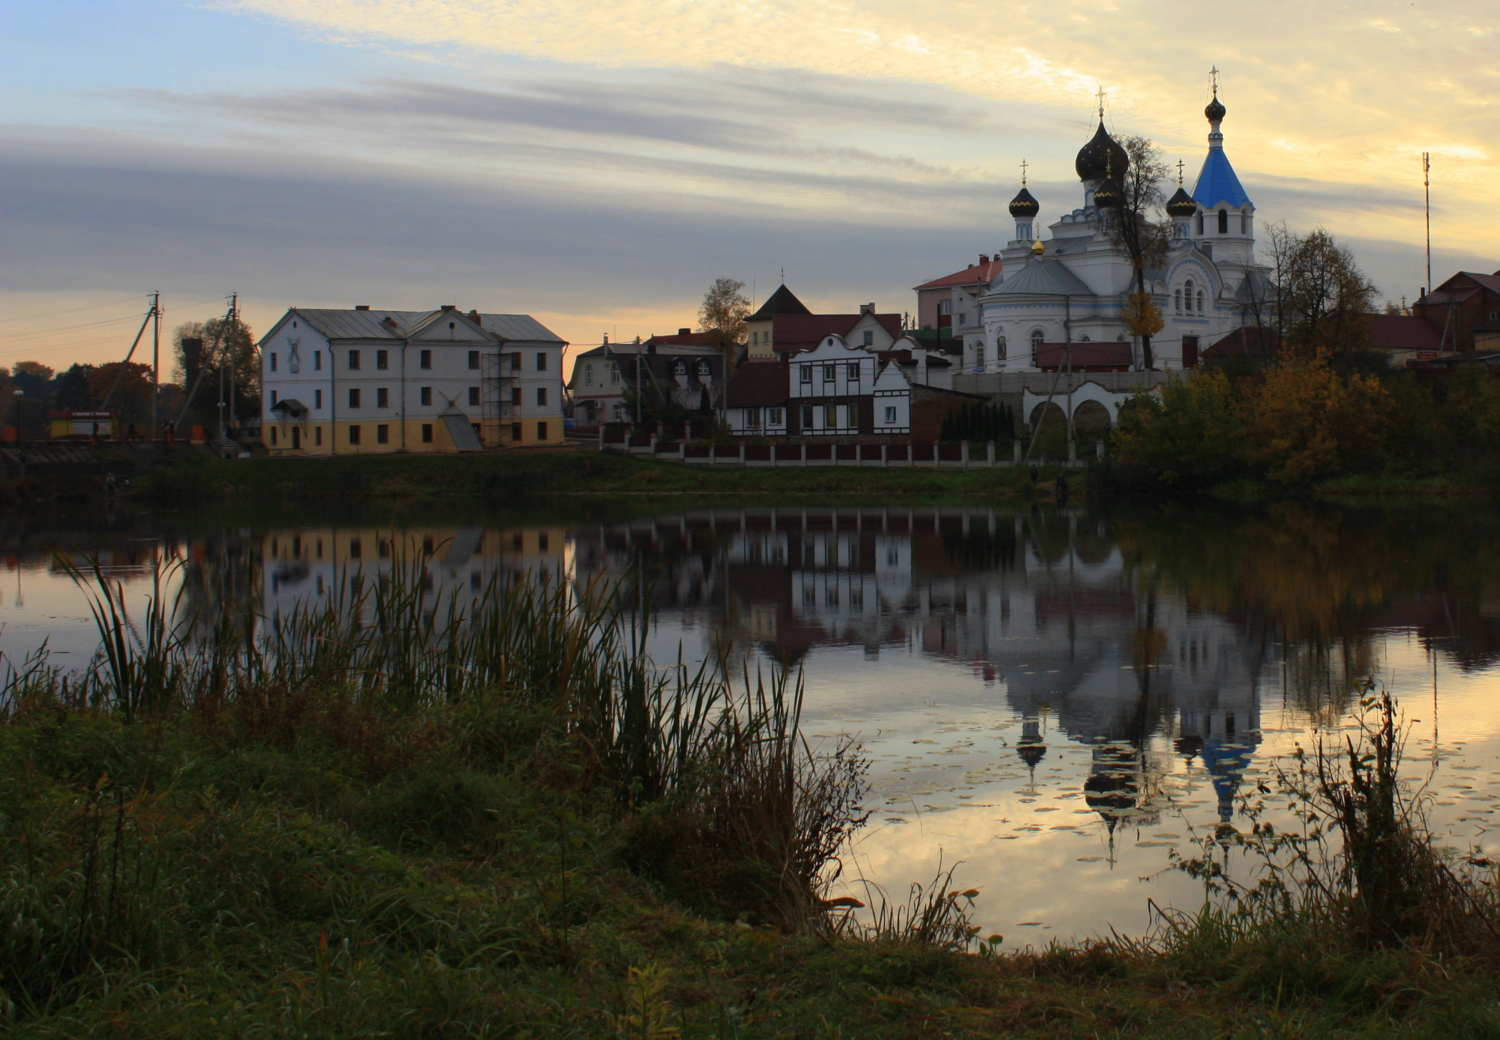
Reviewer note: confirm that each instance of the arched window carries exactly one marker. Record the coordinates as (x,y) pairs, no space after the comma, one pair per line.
(1200,301)
(1223,222)
(1084,338)
(1177,301)
(680,368)
(703,369)
(1036,338)
(1244,222)
(1200,224)
(1000,346)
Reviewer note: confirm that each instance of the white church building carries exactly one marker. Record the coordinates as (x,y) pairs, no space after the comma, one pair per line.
(1073,287)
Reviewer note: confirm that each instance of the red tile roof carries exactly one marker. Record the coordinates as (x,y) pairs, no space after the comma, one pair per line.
(683,338)
(1402,332)
(794,332)
(1086,355)
(758,383)
(1246,342)
(976,274)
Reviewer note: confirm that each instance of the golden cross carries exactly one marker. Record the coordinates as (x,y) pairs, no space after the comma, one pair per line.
(1214,72)
(1023,173)
(1179,173)
(1101,96)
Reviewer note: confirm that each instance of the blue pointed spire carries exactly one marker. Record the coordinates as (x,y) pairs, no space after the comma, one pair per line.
(1217,182)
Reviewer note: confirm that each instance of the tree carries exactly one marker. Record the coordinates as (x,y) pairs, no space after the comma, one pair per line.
(34,378)
(206,347)
(132,397)
(723,313)
(1187,432)
(1143,234)
(1305,422)
(1320,296)
(72,388)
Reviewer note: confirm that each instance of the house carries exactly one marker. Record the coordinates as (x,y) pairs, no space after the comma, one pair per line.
(1243,351)
(1403,338)
(784,326)
(837,389)
(363,381)
(1459,307)
(949,313)
(683,367)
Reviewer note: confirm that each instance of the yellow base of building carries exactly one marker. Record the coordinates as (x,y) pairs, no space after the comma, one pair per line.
(411,435)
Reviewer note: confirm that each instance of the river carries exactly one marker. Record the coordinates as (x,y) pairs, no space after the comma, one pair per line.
(1054,700)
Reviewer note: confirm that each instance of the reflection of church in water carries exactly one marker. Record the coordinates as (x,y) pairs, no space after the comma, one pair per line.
(1042,603)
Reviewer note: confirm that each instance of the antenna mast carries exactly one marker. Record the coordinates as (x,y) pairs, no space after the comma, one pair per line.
(1427,205)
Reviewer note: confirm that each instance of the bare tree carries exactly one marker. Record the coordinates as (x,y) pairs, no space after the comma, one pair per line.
(723,313)
(1143,234)
(1319,294)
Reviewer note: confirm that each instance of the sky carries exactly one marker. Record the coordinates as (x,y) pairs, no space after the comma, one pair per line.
(598,165)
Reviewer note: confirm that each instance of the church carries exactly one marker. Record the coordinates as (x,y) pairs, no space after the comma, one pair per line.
(1061,302)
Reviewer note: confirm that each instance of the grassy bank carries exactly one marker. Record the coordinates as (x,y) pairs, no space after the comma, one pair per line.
(496,819)
(503,476)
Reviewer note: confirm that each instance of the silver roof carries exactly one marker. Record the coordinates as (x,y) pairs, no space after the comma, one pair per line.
(373,324)
(1042,278)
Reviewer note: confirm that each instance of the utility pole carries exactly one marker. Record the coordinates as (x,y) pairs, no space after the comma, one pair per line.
(155,358)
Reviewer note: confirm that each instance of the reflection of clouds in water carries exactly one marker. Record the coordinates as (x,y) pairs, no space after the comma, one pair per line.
(1038,701)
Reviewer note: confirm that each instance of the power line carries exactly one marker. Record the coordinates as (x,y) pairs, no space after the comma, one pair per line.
(68,328)
(70,310)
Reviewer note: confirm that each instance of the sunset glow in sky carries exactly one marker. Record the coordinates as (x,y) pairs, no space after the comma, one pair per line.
(597,165)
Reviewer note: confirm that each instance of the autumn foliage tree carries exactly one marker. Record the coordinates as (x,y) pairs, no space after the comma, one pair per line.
(724,313)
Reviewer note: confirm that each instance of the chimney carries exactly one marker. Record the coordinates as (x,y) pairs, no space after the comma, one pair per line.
(361,306)
(450,306)
(984,258)
(684,332)
(475,318)
(867,308)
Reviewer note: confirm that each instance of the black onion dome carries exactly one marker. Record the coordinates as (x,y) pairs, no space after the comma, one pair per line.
(1181,204)
(1215,110)
(1101,157)
(1108,195)
(1023,205)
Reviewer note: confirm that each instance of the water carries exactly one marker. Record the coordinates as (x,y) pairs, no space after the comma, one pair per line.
(1053,699)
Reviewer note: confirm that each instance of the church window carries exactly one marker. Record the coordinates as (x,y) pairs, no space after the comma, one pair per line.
(979,356)
(1200,301)
(1177,301)
(1223,222)
(1036,338)
(999,346)
(1200,223)
(1084,338)
(1244,222)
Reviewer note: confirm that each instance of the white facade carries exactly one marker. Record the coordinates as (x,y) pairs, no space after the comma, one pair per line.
(363,381)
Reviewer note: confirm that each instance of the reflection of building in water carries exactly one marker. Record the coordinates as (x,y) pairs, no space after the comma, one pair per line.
(1043,603)
(301,565)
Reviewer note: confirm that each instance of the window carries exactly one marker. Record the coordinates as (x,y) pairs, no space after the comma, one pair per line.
(515,396)
(831,416)
(541,396)
(541,361)
(869,338)
(1223,222)
(1036,342)
(424,396)
(382,434)
(354,435)
(318,435)
(424,359)
(382,359)
(382,398)
(830,373)
(945,306)
(515,433)
(890,414)
(703,370)
(752,417)
(1200,223)
(854,371)
(317,361)
(807,417)
(1244,222)
(1200,301)
(1084,338)
(273,398)
(1177,301)
(541,427)
(755,339)
(806,376)
(963,319)
(354,361)
(317,399)
(474,359)
(353,397)
(515,362)
(774,417)
(979,356)
(273,436)
(999,346)
(273,361)
(851,415)
(473,396)
(588,375)
(614,373)
(427,433)
(680,368)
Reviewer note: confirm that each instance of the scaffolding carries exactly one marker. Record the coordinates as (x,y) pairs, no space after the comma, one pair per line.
(499,414)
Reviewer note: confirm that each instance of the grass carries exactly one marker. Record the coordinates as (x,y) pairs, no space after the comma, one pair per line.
(505,476)
(398,817)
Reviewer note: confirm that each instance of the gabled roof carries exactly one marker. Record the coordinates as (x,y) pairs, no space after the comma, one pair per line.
(682,338)
(1402,332)
(1487,281)
(782,301)
(1045,278)
(797,332)
(1243,342)
(356,323)
(758,383)
(976,274)
(518,327)
(1217,182)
